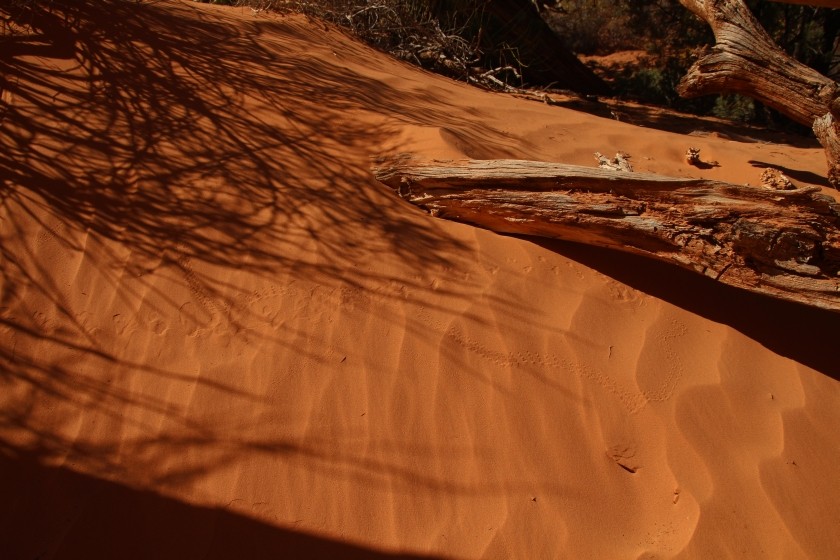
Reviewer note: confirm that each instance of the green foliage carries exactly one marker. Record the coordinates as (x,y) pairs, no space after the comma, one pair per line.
(607,26)
(808,34)
(735,107)
(665,31)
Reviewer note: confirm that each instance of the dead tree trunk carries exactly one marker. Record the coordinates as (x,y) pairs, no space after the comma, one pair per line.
(745,60)
(783,243)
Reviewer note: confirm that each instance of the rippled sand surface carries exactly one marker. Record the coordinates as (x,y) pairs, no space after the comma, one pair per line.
(220,337)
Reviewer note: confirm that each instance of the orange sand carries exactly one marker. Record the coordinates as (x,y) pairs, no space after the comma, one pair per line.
(220,337)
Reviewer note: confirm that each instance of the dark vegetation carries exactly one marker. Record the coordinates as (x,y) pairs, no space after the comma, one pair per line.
(500,44)
(504,44)
(670,39)
(462,38)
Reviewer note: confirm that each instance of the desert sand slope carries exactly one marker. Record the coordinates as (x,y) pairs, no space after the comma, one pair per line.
(221,338)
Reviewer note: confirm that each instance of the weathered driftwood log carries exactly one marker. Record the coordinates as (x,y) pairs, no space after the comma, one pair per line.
(783,243)
(745,60)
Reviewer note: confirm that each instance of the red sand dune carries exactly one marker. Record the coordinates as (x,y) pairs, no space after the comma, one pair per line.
(220,337)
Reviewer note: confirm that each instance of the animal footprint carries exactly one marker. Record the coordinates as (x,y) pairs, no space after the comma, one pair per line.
(624,456)
(123,323)
(156,324)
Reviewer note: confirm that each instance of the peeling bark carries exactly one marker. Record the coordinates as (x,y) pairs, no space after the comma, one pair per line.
(745,60)
(782,243)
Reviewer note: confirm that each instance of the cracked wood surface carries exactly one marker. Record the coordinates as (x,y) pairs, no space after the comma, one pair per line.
(782,243)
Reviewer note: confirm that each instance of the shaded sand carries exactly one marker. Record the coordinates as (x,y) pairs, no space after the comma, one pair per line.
(220,337)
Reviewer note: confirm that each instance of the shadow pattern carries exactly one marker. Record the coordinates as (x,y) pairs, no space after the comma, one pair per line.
(159,141)
(67,515)
(804,334)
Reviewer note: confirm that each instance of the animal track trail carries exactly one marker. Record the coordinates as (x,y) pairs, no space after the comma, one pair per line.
(48,234)
(632,400)
(455,334)
(156,324)
(122,324)
(539,364)
(7,320)
(674,363)
(204,300)
(45,322)
(86,324)
(622,293)
(352,298)
(266,303)
(542,365)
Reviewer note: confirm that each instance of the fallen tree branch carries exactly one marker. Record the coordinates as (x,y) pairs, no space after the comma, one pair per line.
(782,243)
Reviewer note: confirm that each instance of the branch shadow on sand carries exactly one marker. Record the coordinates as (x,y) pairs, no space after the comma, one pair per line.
(802,176)
(157,123)
(185,145)
(111,520)
(667,120)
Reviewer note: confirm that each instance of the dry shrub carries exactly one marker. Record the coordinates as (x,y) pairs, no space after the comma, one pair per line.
(403,28)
